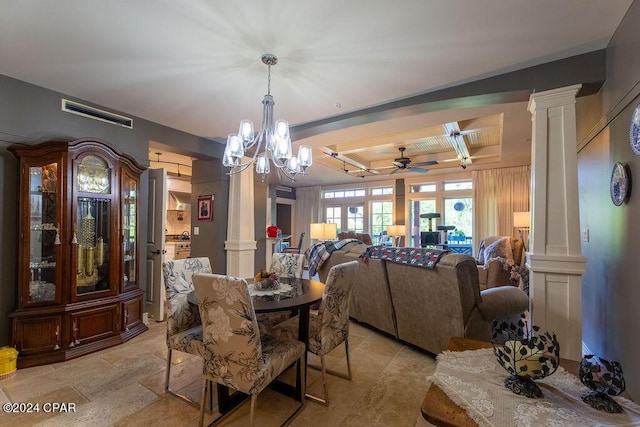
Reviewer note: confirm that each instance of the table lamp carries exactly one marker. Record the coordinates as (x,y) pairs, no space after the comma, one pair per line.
(522,221)
(397,231)
(323,231)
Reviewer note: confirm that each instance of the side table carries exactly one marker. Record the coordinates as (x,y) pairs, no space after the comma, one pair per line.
(438,409)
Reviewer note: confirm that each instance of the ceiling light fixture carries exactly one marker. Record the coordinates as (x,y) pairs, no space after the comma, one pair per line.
(272,141)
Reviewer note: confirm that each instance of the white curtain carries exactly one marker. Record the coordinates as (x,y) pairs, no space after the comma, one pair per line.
(498,193)
(307,211)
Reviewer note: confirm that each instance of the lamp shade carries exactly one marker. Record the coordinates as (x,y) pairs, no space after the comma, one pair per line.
(323,231)
(396,230)
(522,219)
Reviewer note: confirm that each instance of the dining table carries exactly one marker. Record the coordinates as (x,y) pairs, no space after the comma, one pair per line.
(296,295)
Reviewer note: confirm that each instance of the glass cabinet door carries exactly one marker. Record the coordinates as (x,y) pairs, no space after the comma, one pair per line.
(43,232)
(92,228)
(129,229)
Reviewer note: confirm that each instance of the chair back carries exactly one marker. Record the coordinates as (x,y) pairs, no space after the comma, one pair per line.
(178,284)
(287,265)
(229,330)
(333,313)
(295,249)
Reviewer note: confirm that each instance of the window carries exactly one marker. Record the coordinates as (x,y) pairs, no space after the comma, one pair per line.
(335,194)
(424,188)
(458,185)
(381,216)
(459,212)
(381,191)
(355,218)
(333,215)
(419,207)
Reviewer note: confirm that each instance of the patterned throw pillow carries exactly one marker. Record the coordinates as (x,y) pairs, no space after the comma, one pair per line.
(501,248)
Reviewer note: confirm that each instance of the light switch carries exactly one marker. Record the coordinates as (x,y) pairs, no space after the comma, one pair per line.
(196,231)
(585,235)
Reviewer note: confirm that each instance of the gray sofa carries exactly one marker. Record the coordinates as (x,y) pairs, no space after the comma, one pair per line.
(426,307)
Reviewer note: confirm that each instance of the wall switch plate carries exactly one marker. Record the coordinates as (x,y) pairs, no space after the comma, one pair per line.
(585,235)
(196,231)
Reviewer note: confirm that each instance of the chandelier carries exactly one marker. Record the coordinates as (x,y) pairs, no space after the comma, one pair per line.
(271,143)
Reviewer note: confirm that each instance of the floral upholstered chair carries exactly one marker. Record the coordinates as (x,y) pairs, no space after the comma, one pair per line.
(286,266)
(184,329)
(329,327)
(238,356)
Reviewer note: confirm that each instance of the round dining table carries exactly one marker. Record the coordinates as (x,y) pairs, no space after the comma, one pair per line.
(303,294)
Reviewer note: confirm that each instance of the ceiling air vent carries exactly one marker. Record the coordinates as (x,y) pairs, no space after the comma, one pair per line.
(94,113)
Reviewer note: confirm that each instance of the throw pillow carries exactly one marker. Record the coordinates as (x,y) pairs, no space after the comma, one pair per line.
(501,248)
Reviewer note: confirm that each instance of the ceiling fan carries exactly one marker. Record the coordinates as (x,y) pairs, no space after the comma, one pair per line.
(403,163)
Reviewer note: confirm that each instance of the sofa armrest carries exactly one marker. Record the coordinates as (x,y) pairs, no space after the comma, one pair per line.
(492,274)
(502,302)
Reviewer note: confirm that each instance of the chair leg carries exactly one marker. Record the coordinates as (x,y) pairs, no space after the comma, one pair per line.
(168,372)
(346,350)
(203,399)
(326,371)
(252,416)
(167,376)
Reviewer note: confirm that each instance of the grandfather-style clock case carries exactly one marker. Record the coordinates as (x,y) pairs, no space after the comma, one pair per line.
(78,250)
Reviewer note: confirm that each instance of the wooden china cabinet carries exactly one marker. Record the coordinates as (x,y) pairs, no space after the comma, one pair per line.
(78,253)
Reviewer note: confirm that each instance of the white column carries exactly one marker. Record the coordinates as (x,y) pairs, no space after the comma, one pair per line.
(554,260)
(241,244)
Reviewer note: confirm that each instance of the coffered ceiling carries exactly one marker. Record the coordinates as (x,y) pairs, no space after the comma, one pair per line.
(195,66)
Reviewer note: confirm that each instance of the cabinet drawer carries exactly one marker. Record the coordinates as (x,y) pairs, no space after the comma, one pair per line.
(37,334)
(94,324)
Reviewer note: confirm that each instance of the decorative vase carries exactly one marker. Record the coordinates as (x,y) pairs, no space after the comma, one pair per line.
(272,231)
(525,355)
(605,379)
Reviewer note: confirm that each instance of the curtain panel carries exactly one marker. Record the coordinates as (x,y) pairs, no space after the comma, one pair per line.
(307,211)
(498,193)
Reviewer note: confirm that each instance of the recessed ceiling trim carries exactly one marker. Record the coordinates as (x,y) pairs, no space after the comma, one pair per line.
(96,114)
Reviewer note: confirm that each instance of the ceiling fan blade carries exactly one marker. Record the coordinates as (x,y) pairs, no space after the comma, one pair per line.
(419,170)
(427,163)
(398,164)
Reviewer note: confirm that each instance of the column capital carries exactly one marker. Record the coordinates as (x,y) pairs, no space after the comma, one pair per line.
(553,98)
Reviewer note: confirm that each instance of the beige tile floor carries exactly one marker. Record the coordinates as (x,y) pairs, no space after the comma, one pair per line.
(123,386)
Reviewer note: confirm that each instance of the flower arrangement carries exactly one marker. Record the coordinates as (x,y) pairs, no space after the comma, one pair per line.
(264,280)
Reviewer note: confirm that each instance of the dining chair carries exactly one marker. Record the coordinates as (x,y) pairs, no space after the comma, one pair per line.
(184,329)
(295,249)
(238,356)
(329,327)
(286,266)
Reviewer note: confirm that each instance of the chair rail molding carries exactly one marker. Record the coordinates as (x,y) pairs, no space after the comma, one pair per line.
(555,258)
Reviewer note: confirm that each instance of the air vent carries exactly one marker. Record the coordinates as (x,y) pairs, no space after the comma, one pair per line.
(94,113)
(284,188)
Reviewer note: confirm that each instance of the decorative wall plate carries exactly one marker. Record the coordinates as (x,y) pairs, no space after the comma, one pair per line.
(634,130)
(619,186)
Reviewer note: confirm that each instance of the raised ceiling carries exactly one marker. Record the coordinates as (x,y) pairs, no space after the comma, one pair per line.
(195,66)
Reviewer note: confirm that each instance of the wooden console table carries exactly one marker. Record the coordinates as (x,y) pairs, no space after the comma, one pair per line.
(438,409)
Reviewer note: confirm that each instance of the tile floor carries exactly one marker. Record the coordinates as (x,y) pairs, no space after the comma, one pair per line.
(123,386)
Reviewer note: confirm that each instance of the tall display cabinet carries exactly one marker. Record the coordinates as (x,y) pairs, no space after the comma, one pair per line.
(78,250)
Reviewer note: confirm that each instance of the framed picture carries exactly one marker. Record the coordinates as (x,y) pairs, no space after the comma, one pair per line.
(205,208)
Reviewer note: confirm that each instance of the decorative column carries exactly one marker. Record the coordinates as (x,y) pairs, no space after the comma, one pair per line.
(554,260)
(241,244)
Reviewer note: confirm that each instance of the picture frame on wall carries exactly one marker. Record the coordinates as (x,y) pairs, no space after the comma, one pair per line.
(205,208)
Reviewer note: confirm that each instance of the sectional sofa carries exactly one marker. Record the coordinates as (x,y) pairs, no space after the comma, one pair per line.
(426,307)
